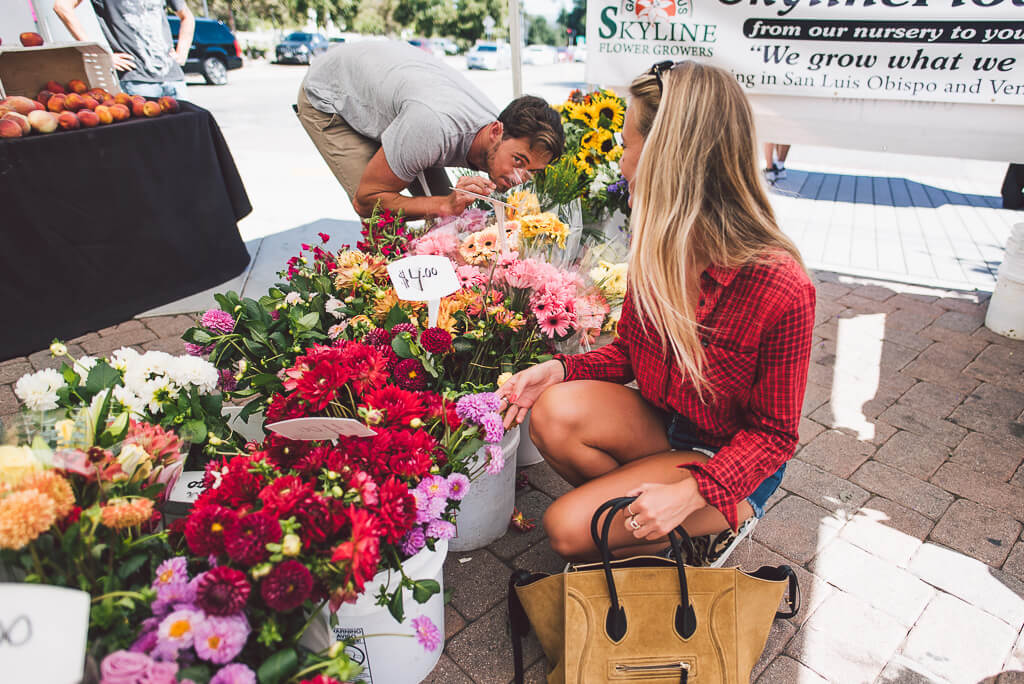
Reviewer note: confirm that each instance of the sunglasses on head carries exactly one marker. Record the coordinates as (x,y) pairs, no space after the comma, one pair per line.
(662,68)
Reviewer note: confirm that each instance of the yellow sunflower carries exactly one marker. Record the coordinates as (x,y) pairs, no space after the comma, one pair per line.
(586,159)
(610,107)
(600,140)
(587,114)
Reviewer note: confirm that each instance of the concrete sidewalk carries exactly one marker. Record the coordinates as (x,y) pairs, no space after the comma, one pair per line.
(902,510)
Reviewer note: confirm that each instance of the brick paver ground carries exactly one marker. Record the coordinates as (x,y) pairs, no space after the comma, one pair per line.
(902,511)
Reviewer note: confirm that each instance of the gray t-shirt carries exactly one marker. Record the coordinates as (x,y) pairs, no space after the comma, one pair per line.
(140,28)
(424,113)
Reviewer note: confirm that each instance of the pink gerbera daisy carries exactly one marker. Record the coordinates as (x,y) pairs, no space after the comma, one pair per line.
(554,323)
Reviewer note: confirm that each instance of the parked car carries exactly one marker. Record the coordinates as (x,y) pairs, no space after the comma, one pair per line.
(449,45)
(564,53)
(492,56)
(427,45)
(539,54)
(214,50)
(300,47)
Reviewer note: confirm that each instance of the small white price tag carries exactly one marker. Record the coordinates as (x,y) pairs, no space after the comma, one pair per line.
(424,278)
(36,622)
(320,429)
(188,487)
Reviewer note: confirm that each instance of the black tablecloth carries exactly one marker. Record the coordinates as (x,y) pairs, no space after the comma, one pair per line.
(100,224)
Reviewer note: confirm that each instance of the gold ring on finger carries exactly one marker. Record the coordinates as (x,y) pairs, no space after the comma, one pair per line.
(629,507)
(633,523)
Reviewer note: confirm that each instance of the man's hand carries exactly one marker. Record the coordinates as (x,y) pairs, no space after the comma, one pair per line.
(123,61)
(525,387)
(457,202)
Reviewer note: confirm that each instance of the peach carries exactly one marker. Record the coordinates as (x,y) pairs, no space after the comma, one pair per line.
(56,103)
(73,102)
(152,108)
(76,85)
(90,102)
(4,109)
(54,87)
(124,99)
(31,39)
(43,122)
(98,94)
(120,112)
(21,119)
(168,104)
(108,102)
(22,105)
(68,121)
(104,114)
(43,96)
(88,118)
(10,129)
(138,102)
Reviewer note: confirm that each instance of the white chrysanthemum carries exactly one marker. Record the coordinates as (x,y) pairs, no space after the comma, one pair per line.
(157,392)
(38,391)
(130,402)
(122,357)
(193,370)
(83,365)
(333,307)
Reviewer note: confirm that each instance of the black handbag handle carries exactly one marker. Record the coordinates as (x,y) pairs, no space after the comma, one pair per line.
(615,622)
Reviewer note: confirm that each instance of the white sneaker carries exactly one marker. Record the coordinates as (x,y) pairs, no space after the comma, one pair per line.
(780,171)
(770,175)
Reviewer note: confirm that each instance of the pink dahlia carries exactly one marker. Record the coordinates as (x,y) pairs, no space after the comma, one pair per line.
(287,586)
(222,591)
(220,321)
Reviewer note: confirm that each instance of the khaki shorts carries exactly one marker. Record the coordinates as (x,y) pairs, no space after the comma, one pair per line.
(348,152)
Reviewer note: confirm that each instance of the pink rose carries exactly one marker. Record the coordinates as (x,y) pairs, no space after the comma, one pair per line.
(160,673)
(124,667)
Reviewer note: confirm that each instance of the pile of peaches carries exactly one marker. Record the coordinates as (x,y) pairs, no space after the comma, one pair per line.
(74,106)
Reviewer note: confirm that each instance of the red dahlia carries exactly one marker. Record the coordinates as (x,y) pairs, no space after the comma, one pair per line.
(282,495)
(410,374)
(377,337)
(368,366)
(287,586)
(248,545)
(319,385)
(436,340)
(397,509)
(361,554)
(398,405)
(400,328)
(222,591)
(314,515)
(206,528)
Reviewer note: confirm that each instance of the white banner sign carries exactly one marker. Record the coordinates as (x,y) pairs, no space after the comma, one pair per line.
(317,428)
(928,50)
(42,633)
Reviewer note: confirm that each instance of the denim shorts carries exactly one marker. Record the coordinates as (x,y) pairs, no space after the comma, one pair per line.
(680,437)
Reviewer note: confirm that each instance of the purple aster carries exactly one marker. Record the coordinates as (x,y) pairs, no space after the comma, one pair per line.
(171,570)
(236,673)
(458,486)
(414,541)
(427,632)
(494,428)
(218,320)
(220,639)
(198,349)
(177,629)
(496,463)
(169,596)
(434,486)
(473,407)
(145,643)
(440,529)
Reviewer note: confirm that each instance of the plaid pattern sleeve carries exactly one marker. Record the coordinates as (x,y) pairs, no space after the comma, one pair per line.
(772,416)
(611,362)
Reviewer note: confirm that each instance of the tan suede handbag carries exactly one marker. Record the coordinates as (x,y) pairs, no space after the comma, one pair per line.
(647,618)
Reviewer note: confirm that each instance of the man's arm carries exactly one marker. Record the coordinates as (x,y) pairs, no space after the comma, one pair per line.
(65,9)
(380,184)
(185,33)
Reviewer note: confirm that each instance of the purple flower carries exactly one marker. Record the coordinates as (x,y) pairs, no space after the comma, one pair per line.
(427,632)
(473,407)
(458,486)
(177,629)
(226,380)
(220,639)
(198,349)
(496,463)
(236,673)
(440,529)
(171,570)
(494,428)
(414,541)
(160,673)
(218,320)
(434,486)
(124,667)
(176,592)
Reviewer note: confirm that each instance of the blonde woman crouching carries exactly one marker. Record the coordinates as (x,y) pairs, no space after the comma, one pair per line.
(716,330)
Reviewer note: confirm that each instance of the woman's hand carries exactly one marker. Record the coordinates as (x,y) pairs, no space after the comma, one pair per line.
(522,389)
(660,508)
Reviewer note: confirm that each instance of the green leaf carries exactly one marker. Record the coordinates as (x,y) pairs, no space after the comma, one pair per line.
(193,431)
(395,606)
(101,377)
(308,322)
(395,316)
(197,336)
(461,345)
(212,403)
(279,340)
(119,425)
(127,567)
(249,409)
(468,449)
(198,673)
(422,590)
(253,311)
(401,346)
(278,666)
(70,376)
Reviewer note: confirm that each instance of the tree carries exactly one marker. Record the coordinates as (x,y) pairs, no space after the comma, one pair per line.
(575,19)
(427,17)
(540,32)
(468,23)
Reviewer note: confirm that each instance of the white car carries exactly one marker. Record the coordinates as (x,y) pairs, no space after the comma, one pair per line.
(540,54)
(492,56)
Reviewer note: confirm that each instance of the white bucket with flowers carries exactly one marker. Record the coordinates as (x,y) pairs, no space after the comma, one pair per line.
(485,511)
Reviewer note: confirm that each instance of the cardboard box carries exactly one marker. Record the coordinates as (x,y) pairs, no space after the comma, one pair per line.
(24,71)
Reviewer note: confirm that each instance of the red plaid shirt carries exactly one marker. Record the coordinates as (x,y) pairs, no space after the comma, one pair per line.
(756,334)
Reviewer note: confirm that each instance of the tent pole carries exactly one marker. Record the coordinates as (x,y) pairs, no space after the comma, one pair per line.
(515,36)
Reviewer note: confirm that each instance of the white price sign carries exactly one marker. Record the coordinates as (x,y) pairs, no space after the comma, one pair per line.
(320,429)
(424,278)
(188,487)
(36,622)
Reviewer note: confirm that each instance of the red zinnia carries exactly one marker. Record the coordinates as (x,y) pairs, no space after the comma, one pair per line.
(282,495)
(410,374)
(222,591)
(287,586)
(436,340)
(248,544)
(206,528)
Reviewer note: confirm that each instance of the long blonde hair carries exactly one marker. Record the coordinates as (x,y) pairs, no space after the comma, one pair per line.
(698,199)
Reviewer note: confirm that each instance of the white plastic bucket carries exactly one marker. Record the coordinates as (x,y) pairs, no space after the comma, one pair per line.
(1005,314)
(485,513)
(527,454)
(388,659)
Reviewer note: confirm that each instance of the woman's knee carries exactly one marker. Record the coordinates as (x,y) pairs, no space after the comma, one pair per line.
(558,413)
(565,534)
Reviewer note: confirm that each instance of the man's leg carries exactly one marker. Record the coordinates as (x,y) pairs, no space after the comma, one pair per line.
(437,180)
(346,151)
(1013,187)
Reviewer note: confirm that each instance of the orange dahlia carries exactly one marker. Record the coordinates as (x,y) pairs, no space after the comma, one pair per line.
(122,513)
(23,517)
(54,486)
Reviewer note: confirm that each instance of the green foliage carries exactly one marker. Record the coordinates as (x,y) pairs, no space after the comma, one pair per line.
(540,32)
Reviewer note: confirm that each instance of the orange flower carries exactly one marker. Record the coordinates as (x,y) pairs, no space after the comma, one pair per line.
(54,486)
(121,513)
(23,517)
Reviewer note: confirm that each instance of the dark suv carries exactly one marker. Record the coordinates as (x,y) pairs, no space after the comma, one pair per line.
(301,47)
(214,50)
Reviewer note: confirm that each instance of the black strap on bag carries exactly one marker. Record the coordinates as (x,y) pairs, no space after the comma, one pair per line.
(518,621)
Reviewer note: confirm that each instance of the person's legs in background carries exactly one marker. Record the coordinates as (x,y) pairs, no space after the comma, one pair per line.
(781,152)
(143,88)
(775,161)
(1013,187)
(175,89)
